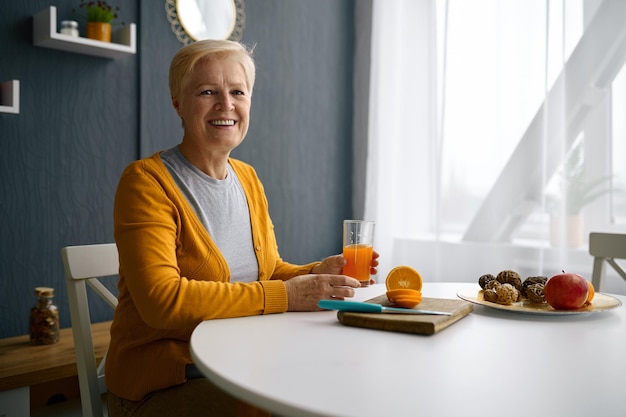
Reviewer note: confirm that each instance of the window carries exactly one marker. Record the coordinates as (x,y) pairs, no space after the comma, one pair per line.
(475,105)
(618,150)
(508,87)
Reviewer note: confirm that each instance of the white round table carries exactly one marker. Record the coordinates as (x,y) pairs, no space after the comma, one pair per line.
(490,363)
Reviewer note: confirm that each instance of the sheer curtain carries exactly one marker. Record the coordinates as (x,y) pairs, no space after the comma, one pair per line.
(484,115)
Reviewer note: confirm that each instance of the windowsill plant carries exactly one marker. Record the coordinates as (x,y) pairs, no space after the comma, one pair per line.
(580,191)
(577,192)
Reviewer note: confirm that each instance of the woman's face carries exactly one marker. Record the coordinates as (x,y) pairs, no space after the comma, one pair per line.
(215,105)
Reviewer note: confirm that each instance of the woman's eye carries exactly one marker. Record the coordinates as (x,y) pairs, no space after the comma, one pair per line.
(214,92)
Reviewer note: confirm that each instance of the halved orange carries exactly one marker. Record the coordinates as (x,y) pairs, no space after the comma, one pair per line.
(405,297)
(401,292)
(408,303)
(403,277)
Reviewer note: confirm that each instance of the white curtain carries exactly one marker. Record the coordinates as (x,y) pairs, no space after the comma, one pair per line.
(480,114)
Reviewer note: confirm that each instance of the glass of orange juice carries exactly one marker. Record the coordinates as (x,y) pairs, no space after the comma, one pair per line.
(358,245)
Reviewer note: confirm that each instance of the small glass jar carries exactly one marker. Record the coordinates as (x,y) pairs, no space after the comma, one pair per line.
(44,318)
(69,27)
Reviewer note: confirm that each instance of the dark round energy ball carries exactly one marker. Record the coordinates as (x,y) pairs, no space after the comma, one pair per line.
(532,281)
(484,280)
(510,277)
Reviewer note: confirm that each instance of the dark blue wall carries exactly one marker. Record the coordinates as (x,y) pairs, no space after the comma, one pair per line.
(83,119)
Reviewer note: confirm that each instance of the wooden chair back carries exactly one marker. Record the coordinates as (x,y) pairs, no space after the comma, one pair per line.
(606,248)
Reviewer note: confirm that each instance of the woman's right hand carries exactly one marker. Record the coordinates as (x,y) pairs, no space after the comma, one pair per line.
(304,291)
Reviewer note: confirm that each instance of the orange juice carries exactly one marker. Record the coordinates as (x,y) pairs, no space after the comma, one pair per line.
(359,260)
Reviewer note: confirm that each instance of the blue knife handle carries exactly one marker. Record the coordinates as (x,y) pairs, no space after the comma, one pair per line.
(350,306)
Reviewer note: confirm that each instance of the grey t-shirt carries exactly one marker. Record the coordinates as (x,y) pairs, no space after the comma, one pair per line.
(222,208)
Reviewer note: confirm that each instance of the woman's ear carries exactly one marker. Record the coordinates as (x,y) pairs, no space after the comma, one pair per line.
(176,105)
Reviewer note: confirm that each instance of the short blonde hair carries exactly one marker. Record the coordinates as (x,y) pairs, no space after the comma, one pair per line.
(187,57)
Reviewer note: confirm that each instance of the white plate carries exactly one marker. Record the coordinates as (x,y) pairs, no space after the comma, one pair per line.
(600,302)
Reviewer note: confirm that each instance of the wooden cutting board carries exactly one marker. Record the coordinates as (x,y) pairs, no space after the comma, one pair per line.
(409,323)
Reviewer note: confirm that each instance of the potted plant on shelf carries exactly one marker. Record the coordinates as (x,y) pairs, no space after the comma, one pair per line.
(578,191)
(100,14)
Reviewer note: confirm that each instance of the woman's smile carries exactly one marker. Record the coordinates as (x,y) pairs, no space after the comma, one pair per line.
(223,122)
(214,105)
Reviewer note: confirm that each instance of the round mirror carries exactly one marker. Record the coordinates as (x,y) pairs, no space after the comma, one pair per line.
(193,20)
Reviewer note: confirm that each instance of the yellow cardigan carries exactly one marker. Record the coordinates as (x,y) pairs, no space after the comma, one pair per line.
(173,276)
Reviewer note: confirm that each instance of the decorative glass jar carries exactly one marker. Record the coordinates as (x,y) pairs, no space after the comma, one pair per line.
(69,27)
(44,318)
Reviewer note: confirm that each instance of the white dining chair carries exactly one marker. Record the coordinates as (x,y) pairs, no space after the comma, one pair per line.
(87,264)
(606,248)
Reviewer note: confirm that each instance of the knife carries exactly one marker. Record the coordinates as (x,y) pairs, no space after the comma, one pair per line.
(360,307)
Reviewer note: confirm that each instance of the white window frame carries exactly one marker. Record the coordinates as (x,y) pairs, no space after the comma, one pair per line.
(586,82)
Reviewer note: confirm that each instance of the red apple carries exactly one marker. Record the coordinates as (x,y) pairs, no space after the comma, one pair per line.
(566,291)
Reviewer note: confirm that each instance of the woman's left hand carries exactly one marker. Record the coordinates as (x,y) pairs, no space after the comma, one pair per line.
(334,265)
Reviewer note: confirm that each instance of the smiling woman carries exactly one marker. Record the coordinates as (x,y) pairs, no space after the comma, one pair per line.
(196,242)
(214,106)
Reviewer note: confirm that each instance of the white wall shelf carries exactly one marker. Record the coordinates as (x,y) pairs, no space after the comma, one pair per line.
(10,97)
(45,35)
